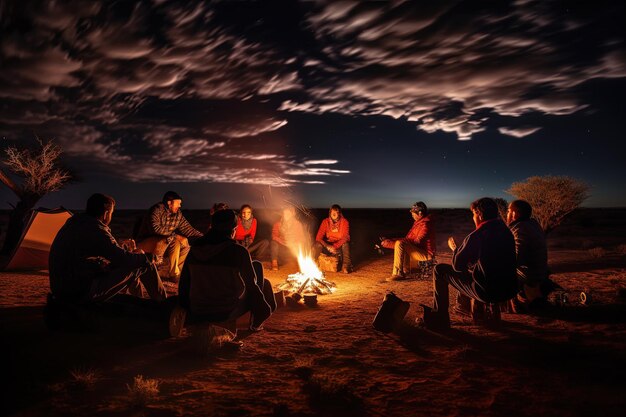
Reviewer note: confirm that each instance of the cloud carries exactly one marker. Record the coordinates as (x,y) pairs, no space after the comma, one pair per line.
(518,132)
(404,59)
(200,91)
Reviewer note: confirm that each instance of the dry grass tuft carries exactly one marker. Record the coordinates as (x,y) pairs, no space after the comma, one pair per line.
(597,253)
(142,391)
(84,379)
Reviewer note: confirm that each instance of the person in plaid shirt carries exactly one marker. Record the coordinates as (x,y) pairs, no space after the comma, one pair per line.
(165,232)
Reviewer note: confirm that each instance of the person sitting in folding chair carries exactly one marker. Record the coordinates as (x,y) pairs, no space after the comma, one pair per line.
(419,243)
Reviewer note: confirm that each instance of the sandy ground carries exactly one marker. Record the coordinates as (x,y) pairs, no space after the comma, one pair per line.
(328,360)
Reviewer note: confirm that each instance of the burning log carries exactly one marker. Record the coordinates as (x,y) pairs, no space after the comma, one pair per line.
(303,286)
(310,280)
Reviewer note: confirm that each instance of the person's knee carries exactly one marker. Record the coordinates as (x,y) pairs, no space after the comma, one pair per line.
(182,240)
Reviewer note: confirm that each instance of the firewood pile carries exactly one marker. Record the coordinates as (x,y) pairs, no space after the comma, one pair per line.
(299,283)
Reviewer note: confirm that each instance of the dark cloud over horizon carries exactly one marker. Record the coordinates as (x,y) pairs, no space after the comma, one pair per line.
(206,91)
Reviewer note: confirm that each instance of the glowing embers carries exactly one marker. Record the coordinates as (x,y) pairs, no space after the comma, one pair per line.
(310,280)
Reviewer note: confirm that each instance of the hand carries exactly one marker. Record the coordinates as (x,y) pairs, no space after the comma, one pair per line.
(451,243)
(332,249)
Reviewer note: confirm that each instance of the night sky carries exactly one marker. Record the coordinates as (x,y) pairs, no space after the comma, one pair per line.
(364,104)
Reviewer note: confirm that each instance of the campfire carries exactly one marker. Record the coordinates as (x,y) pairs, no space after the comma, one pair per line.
(310,280)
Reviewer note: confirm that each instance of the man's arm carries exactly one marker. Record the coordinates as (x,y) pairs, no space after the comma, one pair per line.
(186,229)
(107,247)
(466,254)
(418,232)
(246,271)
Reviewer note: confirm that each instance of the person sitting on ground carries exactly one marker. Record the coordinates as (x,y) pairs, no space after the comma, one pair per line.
(87,264)
(246,233)
(333,237)
(287,236)
(483,267)
(220,282)
(419,243)
(164,231)
(532,255)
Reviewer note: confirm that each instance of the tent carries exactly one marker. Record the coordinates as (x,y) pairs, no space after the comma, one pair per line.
(33,247)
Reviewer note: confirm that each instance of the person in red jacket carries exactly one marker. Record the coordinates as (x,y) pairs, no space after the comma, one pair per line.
(333,237)
(419,243)
(246,232)
(288,236)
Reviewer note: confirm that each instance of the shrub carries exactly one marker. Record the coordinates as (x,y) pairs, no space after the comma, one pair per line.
(597,253)
(551,197)
(84,378)
(142,391)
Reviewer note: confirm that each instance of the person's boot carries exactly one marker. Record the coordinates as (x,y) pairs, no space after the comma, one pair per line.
(274,265)
(434,320)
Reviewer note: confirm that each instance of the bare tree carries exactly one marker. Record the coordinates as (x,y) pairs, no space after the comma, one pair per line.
(552,197)
(39,173)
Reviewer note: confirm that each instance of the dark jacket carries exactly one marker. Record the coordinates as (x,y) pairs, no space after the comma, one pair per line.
(161,221)
(532,251)
(83,249)
(216,276)
(488,254)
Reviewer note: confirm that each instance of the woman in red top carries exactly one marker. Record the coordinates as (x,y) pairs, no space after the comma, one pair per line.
(246,232)
(333,237)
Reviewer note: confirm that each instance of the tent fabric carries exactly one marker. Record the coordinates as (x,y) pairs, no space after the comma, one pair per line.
(33,248)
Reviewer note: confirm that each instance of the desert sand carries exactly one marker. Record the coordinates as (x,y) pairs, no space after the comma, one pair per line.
(328,360)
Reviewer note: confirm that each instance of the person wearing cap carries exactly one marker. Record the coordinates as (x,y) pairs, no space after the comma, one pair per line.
(419,242)
(220,282)
(333,237)
(165,232)
(88,265)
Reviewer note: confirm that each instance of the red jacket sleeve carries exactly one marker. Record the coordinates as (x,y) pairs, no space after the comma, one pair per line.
(321,232)
(276,233)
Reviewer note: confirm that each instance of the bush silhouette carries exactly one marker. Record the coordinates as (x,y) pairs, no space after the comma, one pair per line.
(552,197)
